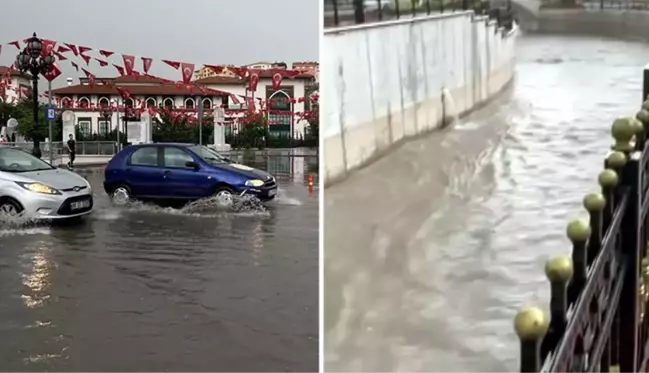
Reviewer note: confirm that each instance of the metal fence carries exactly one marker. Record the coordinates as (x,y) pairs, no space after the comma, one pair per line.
(348,12)
(599,294)
(58,148)
(598,4)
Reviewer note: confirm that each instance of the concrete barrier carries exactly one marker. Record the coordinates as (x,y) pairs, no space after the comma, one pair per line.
(383,82)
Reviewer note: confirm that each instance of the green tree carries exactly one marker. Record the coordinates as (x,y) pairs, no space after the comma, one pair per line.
(253,131)
(24,113)
(177,126)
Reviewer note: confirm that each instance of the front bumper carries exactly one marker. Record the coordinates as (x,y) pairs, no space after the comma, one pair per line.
(64,206)
(266,192)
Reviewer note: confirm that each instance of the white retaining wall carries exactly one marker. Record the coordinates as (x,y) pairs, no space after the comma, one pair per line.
(381,83)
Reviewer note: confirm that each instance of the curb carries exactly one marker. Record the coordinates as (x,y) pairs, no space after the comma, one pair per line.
(84,165)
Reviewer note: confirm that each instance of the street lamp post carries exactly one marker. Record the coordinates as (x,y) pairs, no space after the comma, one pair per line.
(30,60)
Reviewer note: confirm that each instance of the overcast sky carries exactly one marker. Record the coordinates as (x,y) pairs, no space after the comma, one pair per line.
(196,31)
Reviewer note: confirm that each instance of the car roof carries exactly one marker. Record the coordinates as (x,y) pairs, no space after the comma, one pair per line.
(179,144)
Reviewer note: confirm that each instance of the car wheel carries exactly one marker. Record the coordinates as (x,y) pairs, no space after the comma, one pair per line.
(224,195)
(10,208)
(121,195)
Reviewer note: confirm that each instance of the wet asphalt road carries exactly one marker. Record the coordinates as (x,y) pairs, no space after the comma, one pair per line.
(457,226)
(152,289)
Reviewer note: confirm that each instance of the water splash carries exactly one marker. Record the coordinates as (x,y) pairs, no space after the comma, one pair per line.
(205,207)
(284,199)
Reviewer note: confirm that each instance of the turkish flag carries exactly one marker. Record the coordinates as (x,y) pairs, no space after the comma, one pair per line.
(15,44)
(253,80)
(106,53)
(60,56)
(146,64)
(101,62)
(129,63)
(235,99)
(48,47)
(217,69)
(84,49)
(124,93)
(174,64)
(277,80)
(188,71)
(53,73)
(85,58)
(62,49)
(73,48)
(120,69)
(90,76)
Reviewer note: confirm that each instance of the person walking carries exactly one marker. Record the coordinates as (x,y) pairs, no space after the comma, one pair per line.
(72,150)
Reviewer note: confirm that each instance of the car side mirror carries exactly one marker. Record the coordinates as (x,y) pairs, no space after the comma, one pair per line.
(192,164)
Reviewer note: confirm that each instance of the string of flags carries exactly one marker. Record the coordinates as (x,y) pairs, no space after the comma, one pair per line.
(65,51)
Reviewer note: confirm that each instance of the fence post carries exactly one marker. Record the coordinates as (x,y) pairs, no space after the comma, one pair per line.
(531,325)
(336,21)
(578,232)
(645,85)
(594,204)
(380,10)
(359,11)
(559,271)
(623,130)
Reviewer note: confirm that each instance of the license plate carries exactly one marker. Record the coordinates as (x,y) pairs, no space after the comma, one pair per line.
(80,204)
(272,192)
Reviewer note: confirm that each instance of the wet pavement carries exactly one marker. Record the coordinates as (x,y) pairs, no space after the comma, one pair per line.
(430,251)
(146,288)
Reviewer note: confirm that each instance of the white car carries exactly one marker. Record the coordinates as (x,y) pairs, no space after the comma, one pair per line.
(32,188)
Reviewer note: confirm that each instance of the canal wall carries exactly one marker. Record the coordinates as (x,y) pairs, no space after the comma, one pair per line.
(621,24)
(390,81)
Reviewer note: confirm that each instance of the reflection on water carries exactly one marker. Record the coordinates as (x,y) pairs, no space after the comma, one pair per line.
(456,227)
(149,288)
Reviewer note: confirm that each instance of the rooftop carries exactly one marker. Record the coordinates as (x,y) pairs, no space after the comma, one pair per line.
(230,80)
(3,70)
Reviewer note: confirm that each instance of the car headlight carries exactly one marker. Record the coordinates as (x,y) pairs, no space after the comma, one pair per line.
(39,188)
(254,183)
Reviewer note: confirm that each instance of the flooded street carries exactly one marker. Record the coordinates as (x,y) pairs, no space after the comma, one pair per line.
(147,288)
(430,251)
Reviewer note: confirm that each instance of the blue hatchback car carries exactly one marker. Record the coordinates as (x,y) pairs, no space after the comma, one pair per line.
(168,171)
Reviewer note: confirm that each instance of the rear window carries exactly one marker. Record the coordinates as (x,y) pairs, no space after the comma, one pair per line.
(145,157)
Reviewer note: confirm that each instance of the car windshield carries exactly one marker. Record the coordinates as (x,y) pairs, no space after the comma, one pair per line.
(16,160)
(208,155)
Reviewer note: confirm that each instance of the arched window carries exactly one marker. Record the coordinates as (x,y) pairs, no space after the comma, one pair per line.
(129,103)
(84,102)
(103,102)
(207,103)
(67,102)
(169,103)
(189,103)
(150,102)
(279,123)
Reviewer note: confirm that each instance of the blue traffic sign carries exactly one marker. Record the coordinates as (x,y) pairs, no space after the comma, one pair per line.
(51,113)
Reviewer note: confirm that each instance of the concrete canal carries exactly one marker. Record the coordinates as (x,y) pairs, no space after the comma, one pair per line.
(457,225)
(146,288)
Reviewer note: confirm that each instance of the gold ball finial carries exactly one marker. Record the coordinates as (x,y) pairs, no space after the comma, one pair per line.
(608,178)
(559,269)
(645,104)
(637,126)
(643,116)
(623,132)
(531,324)
(578,230)
(594,202)
(616,159)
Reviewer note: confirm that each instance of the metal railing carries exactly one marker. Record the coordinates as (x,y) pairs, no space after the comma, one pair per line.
(348,12)
(598,4)
(599,294)
(106,148)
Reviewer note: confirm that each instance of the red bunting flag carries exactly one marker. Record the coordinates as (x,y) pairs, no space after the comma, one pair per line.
(15,44)
(0,49)
(277,80)
(90,76)
(239,71)
(253,80)
(188,72)
(129,63)
(84,49)
(73,48)
(146,64)
(60,56)
(123,92)
(234,99)
(101,63)
(174,64)
(53,73)
(74,65)
(106,53)
(48,47)
(120,69)
(62,49)
(85,58)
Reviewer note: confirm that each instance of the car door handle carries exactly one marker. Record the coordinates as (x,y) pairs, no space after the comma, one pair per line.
(165,173)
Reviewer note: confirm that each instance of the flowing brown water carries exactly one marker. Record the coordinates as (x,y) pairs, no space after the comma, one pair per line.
(430,251)
(147,288)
